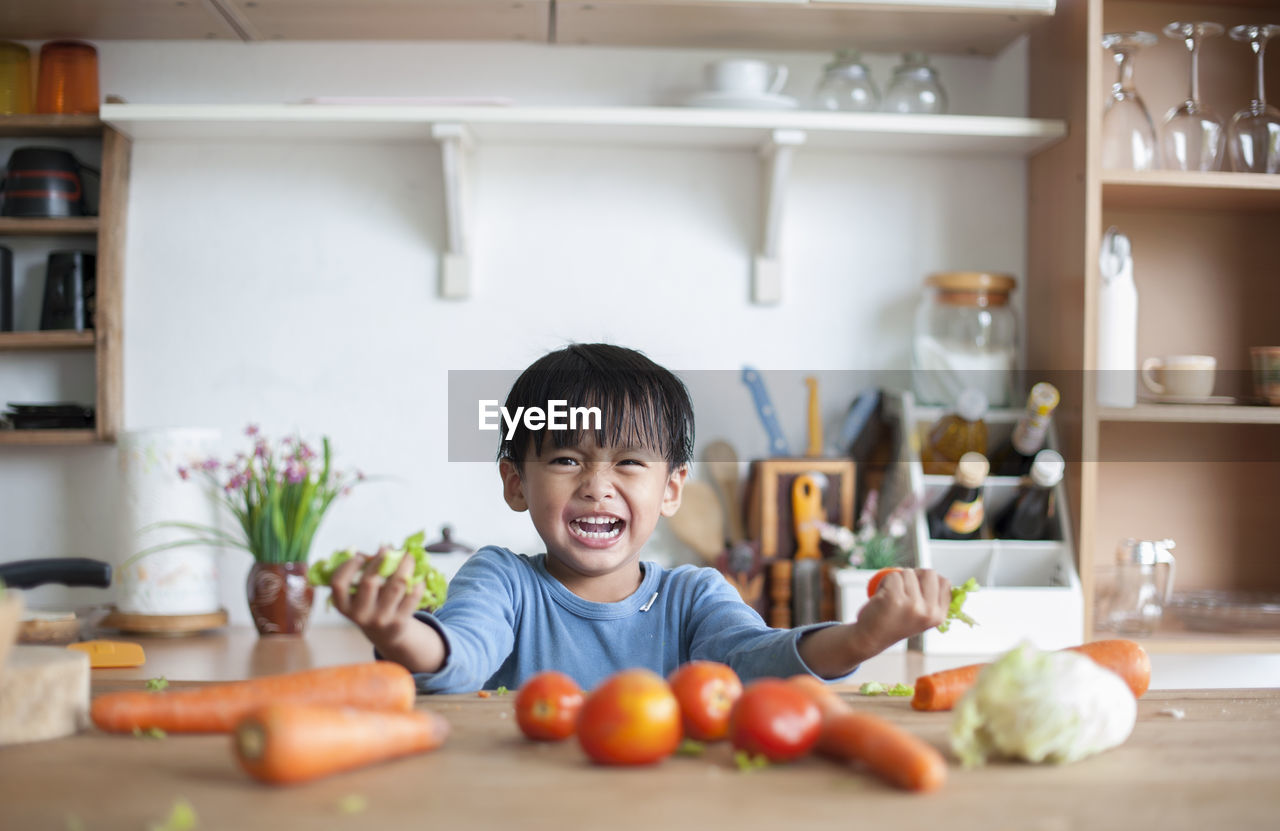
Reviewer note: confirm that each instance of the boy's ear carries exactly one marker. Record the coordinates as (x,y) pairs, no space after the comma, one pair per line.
(512,486)
(674,490)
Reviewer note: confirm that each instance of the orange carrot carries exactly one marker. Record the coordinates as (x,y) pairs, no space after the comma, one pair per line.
(1125,658)
(874,582)
(890,752)
(941,690)
(281,744)
(376,685)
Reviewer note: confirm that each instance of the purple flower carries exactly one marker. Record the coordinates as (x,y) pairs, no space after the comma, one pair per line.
(295,472)
(305,451)
(359,475)
(184,473)
(260,449)
(210,465)
(251,431)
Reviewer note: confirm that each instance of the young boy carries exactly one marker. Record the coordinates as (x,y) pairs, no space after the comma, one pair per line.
(590,606)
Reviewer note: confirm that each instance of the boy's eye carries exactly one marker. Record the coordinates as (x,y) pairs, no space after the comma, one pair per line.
(564,460)
(632,462)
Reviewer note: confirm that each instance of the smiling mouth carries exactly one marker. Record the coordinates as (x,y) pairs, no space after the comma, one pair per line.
(597,527)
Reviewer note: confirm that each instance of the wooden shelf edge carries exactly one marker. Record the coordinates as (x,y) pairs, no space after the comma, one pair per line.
(1211,644)
(1191,414)
(34,226)
(48,438)
(25,341)
(1190,190)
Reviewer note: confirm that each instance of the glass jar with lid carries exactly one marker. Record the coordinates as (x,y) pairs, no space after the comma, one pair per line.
(915,87)
(966,337)
(846,85)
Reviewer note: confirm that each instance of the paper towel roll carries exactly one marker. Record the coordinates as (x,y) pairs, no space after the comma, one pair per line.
(179,581)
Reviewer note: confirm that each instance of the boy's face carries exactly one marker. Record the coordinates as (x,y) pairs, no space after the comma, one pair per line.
(594,508)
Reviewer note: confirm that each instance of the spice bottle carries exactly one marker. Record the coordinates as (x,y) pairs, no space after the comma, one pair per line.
(961,431)
(959,513)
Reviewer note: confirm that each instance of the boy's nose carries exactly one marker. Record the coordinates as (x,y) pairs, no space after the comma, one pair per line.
(596,483)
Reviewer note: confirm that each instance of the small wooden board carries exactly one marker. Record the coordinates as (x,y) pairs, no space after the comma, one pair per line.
(164,624)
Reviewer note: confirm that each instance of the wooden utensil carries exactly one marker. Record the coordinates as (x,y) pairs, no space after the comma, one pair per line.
(815,419)
(699,523)
(722,462)
(807,575)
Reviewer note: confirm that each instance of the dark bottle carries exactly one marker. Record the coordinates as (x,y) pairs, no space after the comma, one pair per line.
(1014,457)
(958,432)
(958,514)
(1032,513)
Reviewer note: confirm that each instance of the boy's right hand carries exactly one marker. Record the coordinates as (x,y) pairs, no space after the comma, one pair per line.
(382,607)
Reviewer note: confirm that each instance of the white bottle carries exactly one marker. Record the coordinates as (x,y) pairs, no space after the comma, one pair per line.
(1117,323)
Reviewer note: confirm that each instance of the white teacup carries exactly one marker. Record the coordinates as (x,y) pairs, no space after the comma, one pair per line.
(745,76)
(1180,376)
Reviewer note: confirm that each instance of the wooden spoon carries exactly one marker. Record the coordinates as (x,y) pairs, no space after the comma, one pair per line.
(699,523)
(722,461)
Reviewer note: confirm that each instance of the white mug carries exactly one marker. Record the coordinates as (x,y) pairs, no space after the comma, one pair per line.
(745,76)
(1180,376)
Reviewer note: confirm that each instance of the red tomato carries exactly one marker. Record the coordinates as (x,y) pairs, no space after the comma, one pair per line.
(827,699)
(547,706)
(775,719)
(632,718)
(706,691)
(874,582)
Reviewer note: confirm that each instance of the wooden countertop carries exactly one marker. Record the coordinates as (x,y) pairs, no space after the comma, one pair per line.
(1215,768)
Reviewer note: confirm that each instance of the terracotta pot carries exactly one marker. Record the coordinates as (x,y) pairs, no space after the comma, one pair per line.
(279,598)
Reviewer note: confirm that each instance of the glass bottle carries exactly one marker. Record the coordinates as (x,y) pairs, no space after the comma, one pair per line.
(966,335)
(959,513)
(915,87)
(846,85)
(961,431)
(1015,456)
(1032,513)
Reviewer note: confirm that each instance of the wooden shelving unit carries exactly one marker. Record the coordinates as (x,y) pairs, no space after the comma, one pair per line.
(1204,264)
(104,342)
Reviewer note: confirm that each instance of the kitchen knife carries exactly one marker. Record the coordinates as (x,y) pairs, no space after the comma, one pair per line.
(807,511)
(764,408)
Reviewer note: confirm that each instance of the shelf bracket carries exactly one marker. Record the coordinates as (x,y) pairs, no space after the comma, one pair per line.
(775,168)
(455,154)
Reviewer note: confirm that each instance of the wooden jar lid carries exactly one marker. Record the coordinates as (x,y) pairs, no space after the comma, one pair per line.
(972,288)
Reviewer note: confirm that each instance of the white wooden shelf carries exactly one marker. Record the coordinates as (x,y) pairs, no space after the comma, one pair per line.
(774,135)
(1192,414)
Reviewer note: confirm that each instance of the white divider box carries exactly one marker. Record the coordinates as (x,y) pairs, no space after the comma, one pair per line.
(1030,589)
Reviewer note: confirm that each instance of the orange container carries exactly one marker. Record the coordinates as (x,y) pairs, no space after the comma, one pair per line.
(15,78)
(68,80)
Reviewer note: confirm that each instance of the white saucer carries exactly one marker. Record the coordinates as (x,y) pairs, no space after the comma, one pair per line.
(742,101)
(1182,399)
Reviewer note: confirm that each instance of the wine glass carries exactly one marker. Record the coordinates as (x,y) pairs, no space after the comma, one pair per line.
(915,87)
(1192,137)
(1128,136)
(1254,136)
(846,85)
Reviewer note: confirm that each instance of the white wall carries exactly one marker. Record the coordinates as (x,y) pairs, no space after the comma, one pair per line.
(293,285)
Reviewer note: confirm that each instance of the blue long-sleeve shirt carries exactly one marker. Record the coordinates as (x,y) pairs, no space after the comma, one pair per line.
(507,618)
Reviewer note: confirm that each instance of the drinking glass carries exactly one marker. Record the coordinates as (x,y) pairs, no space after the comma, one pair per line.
(1192,137)
(1128,136)
(1254,135)
(915,87)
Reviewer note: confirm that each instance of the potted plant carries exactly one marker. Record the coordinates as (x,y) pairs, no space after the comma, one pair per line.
(278,493)
(858,555)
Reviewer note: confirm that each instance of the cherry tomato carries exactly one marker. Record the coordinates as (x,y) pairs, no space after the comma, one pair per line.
(547,706)
(874,582)
(632,718)
(775,719)
(706,691)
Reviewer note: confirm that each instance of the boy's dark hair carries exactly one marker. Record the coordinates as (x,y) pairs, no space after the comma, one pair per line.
(641,403)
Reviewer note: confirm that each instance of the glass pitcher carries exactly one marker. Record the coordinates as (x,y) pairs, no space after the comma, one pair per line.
(1143,584)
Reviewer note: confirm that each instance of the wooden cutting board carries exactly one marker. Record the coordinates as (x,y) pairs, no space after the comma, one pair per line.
(44,694)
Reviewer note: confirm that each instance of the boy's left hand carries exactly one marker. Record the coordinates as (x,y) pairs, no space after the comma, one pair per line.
(906,603)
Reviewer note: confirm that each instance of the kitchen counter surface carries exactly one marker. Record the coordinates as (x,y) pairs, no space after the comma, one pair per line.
(1215,767)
